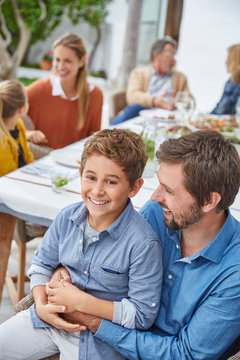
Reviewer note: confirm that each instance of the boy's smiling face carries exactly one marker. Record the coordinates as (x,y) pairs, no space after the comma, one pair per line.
(105,190)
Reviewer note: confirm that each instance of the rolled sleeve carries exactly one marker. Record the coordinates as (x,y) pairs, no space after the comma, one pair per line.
(145,283)
(124,313)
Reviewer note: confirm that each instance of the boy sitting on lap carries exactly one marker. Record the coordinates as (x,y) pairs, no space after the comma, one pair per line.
(110,251)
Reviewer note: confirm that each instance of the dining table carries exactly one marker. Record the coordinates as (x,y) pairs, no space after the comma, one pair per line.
(27,194)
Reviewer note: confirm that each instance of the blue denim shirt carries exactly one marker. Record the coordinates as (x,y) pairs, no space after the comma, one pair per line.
(199,315)
(227,103)
(124,261)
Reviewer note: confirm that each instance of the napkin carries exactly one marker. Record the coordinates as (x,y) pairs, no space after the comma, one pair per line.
(45,170)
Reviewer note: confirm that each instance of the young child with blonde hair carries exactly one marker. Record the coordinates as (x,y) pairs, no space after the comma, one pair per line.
(14,149)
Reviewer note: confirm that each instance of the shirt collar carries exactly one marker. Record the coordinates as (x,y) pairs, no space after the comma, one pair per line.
(115,230)
(155,73)
(215,250)
(57,89)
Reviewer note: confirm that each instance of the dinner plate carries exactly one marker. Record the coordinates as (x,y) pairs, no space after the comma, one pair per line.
(160,115)
(67,157)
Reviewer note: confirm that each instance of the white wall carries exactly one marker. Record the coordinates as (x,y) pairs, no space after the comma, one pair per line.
(208,28)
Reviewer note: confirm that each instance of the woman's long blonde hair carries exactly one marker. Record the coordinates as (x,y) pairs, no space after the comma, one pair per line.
(12,97)
(75,43)
(234,66)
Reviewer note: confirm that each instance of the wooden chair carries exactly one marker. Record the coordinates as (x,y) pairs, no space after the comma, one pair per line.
(24,232)
(236,356)
(117,102)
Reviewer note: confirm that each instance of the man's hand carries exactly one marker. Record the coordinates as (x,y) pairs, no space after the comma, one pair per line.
(91,322)
(162,103)
(36,137)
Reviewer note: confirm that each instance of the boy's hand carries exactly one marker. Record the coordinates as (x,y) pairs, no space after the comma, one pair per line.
(63,292)
(50,314)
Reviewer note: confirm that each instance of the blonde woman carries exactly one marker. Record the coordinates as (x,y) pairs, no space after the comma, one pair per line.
(14,150)
(65,108)
(231,91)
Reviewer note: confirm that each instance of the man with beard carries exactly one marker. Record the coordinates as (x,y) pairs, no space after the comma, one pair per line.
(199,315)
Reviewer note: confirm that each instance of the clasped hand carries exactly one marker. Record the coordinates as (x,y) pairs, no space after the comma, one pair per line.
(51,312)
(63,292)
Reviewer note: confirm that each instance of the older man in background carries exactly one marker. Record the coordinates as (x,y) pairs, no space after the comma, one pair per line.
(154,85)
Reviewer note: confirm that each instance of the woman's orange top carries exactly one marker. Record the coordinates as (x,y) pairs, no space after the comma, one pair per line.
(57,118)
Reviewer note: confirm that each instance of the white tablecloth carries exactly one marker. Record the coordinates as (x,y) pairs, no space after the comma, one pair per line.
(30,197)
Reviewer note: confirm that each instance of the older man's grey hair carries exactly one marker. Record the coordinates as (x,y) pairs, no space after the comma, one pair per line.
(158,46)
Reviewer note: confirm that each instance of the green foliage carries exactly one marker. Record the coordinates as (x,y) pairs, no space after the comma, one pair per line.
(26,81)
(91,11)
(149,146)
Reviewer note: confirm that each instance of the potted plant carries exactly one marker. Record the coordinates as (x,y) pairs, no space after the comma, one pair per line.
(46,62)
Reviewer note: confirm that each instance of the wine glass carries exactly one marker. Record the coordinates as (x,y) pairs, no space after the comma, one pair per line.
(238,111)
(184,105)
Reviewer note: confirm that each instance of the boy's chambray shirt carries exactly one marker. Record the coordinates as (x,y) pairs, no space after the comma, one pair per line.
(124,261)
(199,315)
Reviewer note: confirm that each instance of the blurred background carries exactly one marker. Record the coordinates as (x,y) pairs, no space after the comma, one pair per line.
(121,37)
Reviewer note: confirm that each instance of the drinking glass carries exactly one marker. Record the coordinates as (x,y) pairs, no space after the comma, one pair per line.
(184,105)
(149,138)
(238,111)
(59,182)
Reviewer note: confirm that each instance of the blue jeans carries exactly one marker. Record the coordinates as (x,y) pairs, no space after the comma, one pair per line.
(129,112)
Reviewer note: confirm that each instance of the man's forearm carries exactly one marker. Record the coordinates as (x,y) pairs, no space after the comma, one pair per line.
(91,322)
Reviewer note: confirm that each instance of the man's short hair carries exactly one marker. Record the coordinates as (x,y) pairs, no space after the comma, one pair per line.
(124,147)
(158,46)
(210,163)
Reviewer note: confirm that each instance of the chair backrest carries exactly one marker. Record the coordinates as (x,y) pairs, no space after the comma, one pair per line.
(39,150)
(117,102)
(236,356)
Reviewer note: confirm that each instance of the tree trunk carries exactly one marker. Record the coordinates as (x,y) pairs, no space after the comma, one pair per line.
(6,64)
(10,63)
(174,17)
(95,45)
(130,47)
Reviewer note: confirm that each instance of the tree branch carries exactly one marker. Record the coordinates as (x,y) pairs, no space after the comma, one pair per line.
(8,37)
(25,36)
(95,45)
(43,8)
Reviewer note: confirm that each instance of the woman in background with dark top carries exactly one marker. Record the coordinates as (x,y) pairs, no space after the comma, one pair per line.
(231,92)
(64,108)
